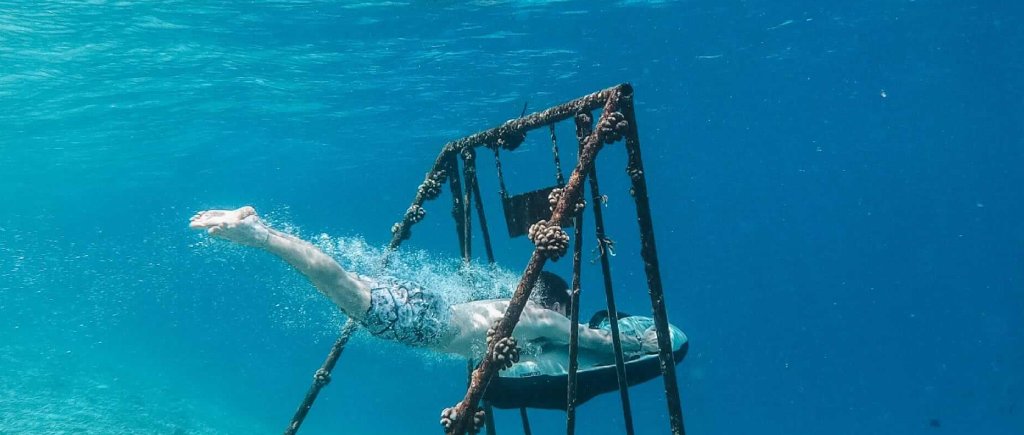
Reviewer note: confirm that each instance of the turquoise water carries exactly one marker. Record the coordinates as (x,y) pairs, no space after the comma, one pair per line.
(836,190)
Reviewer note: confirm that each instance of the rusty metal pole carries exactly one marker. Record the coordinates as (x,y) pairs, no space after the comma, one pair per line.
(322,376)
(471,180)
(583,130)
(467,210)
(571,193)
(559,179)
(574,327)
(574,331)
(613,314)
(458,207)
(526,421)
(649,252)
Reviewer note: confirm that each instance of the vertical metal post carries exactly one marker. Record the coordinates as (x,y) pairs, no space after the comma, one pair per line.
(489,418)
(526,421)
(649,252)
(501,175)
(613,314)
(458,206)
(483,221)
(574,327)
(469,160)
(473,188)
(469,171)
(558,160)
(583,127)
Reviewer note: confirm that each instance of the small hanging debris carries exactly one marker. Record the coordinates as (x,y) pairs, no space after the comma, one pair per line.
(556,195)
(605,246)
(551,240)
(613,127)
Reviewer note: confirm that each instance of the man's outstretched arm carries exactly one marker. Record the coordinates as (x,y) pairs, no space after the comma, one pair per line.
(243,226)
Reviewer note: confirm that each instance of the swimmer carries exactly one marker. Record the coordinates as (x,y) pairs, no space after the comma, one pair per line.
(405,312)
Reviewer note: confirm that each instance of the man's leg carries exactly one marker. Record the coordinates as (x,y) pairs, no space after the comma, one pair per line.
(243,226)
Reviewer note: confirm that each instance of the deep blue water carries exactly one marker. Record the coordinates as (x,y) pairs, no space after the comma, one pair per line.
(835,189)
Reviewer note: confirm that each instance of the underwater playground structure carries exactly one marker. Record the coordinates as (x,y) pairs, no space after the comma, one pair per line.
(542,215)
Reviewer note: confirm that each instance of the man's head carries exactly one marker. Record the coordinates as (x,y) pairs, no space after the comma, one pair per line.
(552,292)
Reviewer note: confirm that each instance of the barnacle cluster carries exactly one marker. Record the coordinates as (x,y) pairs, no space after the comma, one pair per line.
(613,127)
(549,239)
(556,195)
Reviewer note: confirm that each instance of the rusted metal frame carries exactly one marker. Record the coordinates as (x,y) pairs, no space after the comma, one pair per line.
(583,130)
(523,124)
(649,253)
(458,206)
(322,376)
(613,314)
(401,230)
(571,193)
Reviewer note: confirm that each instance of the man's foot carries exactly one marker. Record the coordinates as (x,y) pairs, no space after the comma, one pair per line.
(239,226)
